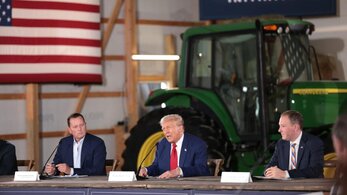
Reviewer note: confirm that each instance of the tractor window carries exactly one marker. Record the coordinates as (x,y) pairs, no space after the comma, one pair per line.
(201,63)
(236,80)
(287,60)
(228,65)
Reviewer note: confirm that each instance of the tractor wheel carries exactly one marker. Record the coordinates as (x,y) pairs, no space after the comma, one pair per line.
(147,132)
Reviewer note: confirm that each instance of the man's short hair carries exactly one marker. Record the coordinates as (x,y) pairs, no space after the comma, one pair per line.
(295,117)
(340,129)
(172,117)
(74,115)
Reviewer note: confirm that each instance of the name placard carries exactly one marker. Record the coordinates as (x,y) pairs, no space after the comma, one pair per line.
(121,176)
(26,176)
(236,177)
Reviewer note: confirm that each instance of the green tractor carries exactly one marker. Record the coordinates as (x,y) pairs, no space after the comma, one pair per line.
(234,82)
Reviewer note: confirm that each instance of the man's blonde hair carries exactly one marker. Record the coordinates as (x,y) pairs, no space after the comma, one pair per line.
(172,117)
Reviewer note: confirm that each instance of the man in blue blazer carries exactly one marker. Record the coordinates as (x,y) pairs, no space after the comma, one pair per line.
(191,152)
(302,160)
(8,160)
(80,153)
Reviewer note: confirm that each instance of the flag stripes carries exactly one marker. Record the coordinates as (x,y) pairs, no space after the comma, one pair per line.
(50,41)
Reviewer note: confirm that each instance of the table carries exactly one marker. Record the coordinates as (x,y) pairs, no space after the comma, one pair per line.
(98,185)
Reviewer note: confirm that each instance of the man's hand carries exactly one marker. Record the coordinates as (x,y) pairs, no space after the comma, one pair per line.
(143,172)
(50,169)
(275,172)
(170,174)
(64,168)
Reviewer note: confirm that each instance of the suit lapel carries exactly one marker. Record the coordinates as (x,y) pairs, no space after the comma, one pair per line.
(69,151)
(85,147)
(166,155)
(301,149)
(184,149)
(286,145)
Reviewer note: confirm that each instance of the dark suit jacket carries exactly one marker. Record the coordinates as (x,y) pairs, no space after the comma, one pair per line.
(193,157)
(309,159)
(93,155)
(8,160)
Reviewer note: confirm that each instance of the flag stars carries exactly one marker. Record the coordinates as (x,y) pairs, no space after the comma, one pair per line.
(5,13)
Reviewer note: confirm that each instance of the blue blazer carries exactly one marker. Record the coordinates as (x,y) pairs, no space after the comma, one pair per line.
(8,160)
(93,155)
(193,157)
(310,157)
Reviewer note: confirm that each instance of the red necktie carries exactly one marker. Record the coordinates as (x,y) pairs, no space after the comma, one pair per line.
(173,157)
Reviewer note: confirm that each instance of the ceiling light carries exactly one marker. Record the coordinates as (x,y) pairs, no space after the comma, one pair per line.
(155,57)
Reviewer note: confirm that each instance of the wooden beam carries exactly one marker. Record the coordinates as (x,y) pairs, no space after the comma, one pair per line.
(82,98)
(113,58)
(13,136)
(50,134)
(120,147)
(160,22)
(75,95)
(110,24)
(12,96)
(152,78)
(170,23)
(171,68)
(33,124)
(53,95)
(130,35)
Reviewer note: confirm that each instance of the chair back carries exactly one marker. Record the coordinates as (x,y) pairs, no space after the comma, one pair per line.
(330,166)
(215,166)
(111,165)
(28,164)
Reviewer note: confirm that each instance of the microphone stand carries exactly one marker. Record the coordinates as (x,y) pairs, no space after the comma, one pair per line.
(42,176)
(258,162)
(138,177)
(262,158)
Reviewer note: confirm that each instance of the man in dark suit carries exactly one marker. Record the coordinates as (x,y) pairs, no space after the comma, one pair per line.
(8,160)
(180,154)
(297,154)
(80,153)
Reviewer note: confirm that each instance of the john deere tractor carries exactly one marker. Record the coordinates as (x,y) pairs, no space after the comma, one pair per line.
(234,82)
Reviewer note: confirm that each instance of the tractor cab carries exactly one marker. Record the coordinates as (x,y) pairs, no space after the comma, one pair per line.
(228,63)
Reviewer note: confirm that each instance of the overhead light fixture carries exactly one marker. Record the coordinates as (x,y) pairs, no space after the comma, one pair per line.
(155,57)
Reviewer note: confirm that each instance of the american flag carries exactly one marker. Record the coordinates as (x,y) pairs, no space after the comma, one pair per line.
(50,41)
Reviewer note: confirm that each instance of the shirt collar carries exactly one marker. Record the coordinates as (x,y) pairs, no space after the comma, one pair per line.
(180,141)
(80,142)
(297,140)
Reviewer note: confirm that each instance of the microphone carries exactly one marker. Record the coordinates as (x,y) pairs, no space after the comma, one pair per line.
(138,177)
(42,176)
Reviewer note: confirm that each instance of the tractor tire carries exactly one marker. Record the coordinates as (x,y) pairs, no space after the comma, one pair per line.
(195,123)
